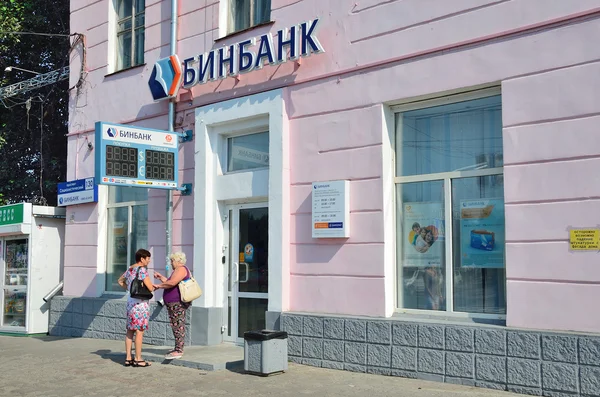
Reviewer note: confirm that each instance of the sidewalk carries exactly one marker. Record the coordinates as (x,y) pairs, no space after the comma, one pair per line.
(52,366)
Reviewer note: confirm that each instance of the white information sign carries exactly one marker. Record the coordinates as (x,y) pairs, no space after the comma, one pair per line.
(331,209)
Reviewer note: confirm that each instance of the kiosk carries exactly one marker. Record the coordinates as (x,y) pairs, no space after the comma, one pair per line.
(31,252)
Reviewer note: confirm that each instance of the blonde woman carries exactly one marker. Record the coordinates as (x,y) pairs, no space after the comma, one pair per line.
(172,298)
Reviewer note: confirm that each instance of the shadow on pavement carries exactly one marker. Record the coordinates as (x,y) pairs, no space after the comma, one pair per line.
(46,338)
(118,358)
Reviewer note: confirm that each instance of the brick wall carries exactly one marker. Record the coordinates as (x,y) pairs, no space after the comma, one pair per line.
(100,318)
(528,362)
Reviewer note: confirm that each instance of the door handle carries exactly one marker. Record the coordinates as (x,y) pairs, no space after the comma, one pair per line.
(247,272)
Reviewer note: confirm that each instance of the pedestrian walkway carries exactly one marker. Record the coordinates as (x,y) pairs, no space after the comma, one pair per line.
(66,367)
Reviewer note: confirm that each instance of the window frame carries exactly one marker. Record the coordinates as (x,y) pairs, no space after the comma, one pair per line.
(447,178)
(125,204)
(133,30)
(230,20)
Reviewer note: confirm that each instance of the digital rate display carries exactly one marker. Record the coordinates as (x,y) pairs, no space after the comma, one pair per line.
(133,156)
(121,161)
(160,165)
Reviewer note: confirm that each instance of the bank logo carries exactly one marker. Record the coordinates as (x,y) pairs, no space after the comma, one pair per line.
(111,132)
(165,78)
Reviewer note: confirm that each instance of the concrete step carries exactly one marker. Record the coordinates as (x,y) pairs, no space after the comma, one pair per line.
(206,358)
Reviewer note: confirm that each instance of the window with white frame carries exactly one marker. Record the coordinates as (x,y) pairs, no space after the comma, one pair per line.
(244,14)
(450,205)
(127,230)
(249,151)
(130,32)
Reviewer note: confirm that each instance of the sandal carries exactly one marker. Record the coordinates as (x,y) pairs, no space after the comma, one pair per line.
(139,363)
(128,363)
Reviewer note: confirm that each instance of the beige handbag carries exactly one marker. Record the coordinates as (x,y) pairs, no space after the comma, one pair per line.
(189,289)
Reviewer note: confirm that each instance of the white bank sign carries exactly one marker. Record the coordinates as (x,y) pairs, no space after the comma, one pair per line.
(242,57)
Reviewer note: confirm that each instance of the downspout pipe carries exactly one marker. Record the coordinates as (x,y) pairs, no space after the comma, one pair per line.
(171,121)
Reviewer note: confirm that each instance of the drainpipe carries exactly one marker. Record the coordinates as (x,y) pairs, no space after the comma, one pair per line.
(173,50)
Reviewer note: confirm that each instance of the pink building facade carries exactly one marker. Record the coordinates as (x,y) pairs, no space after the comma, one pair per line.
(466,131)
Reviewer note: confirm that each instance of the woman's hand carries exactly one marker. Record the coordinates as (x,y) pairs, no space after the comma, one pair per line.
(148,284)
(159,276)
(178,275)
(156,286)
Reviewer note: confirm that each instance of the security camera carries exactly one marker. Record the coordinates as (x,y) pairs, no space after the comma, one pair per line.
(90,146)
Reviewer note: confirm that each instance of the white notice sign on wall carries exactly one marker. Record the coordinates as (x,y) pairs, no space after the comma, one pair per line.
(331,209)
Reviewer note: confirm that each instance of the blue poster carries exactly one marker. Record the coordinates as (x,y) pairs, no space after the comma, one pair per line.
(249,253)
(423,225)
(482,233)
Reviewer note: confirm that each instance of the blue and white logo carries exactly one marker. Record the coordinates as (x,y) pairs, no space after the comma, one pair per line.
(111,132)
(165,78)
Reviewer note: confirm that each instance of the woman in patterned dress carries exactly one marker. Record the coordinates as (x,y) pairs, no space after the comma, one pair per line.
(175,306)
(138,310)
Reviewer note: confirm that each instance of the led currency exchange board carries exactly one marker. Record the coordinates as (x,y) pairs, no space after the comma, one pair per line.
(137,157)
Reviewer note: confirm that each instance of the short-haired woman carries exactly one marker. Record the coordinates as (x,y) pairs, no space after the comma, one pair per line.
(138,310)
(172,298)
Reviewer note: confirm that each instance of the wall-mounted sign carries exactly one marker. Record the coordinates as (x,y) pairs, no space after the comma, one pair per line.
(12,214)
(331,209)
(241,57)
(165,78)
(77,192)
(136,157)
(584,239)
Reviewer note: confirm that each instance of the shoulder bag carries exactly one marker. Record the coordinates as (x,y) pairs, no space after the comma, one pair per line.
(138,289)
(189,289)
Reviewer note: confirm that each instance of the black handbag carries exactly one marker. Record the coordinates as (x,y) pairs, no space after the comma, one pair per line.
(138,289)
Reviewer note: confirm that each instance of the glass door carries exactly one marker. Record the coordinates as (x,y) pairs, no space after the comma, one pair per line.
(14,297)
(247,234)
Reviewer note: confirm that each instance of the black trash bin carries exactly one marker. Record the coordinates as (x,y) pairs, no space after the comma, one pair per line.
(265,352)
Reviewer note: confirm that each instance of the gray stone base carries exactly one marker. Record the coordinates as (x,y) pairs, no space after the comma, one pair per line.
(273,320)
(497,357)
(206,326)
(103,318)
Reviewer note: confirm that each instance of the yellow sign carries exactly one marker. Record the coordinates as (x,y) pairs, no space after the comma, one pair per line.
(241,256)
(585,240)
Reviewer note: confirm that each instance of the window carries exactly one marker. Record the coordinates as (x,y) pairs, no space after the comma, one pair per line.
(127,230)
(130,33)
(244,14)
(247,152)
(450,204)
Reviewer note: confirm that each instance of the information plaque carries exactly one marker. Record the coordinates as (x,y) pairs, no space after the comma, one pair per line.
(331,209)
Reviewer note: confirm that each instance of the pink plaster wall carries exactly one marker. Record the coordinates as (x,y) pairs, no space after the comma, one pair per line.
(379,52)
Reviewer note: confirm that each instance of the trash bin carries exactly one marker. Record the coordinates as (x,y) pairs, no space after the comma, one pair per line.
(265,352)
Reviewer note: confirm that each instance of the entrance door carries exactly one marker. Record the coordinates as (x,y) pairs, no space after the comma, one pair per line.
(247,234)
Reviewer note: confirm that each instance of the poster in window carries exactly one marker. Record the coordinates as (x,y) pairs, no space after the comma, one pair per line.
(482,233)
(120,240)
(141,235)
(424,231)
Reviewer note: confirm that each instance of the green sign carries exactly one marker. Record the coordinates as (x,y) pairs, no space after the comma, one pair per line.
(11,214)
